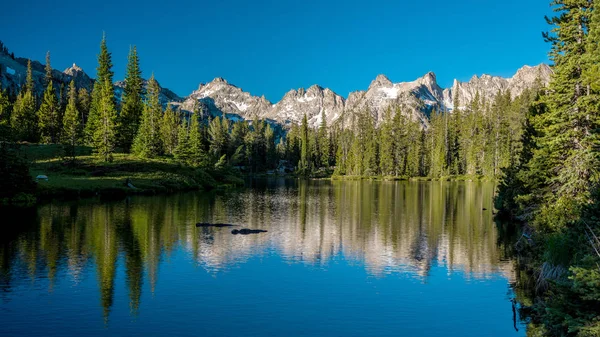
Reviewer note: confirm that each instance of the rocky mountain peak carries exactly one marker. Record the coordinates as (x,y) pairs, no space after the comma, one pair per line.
(381,81)
(428,79)
(529,74)
(73,69)
(219,80)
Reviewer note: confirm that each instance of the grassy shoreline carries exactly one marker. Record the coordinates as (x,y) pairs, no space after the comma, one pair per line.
(125,175)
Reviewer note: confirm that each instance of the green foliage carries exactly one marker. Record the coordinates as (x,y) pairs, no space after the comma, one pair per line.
(104,133)
(71,133)
(48,70)
(49,116)
(148,142)
(5,109)
(169,129)
(132,105)
(197,155)
(218,131)
(553,181)
(100,93)
(14,170)
(303,165)
(23,118)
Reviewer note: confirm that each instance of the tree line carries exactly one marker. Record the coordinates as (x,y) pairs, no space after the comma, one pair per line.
(552,189)
(478,139)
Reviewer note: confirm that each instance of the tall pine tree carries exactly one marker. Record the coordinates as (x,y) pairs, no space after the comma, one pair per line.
(148,142)
(132,104)
(71,132)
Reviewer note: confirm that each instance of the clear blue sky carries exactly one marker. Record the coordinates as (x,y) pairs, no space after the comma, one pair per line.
(269,47)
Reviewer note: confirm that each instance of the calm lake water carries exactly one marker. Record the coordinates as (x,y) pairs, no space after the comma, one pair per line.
(339,259)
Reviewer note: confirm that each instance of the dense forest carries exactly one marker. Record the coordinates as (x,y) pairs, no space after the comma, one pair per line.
(552,190)
(476,140)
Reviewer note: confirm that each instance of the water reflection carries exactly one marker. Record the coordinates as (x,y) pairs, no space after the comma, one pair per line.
(387,227)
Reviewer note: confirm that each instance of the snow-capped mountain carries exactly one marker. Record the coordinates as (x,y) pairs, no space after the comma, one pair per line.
(311,102)
(416,99)
(218,96)
(488,86)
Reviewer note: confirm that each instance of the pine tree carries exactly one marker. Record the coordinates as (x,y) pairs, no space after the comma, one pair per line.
(182,151)
(5,109)
(386,162)
(148,142)
(104,74)
(48,70)
(270,147)
(49,118)
(71,133)
(169,129)
(104,133)
(83,104)
(303,165)
(132,105)
(23,118)
(198,156)
(218,131)
(29,86)
(324,142)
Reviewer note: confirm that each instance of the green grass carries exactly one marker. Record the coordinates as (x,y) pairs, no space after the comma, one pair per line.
(89,176)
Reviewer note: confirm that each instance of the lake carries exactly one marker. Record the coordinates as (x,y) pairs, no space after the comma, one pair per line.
(341,258)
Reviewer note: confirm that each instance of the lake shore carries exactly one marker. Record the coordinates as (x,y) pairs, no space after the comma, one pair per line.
(125,175)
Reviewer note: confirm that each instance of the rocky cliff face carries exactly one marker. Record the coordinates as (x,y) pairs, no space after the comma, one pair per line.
(415,99)
(13,73)
(218,96)
(312,102)
(488,86)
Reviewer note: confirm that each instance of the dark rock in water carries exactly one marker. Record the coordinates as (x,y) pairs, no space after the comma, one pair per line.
(246,231)
(219,225)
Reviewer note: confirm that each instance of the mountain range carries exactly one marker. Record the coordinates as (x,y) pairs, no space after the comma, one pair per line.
(418,98)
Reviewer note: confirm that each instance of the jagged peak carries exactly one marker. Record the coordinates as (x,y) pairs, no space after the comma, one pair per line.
(541,69)
(73,69)
(219,80)
(428,79)
(315,87)
(381,81)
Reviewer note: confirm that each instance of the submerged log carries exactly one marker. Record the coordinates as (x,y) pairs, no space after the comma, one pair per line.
(219,225)
(246,231)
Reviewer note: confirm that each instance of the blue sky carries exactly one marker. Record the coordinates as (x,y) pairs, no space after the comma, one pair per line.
(270,47)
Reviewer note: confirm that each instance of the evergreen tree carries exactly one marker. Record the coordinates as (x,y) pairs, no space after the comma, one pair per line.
(182,151)
(169,129)
(83,104)
(303,165)
(386,162)
(148,142)
(198,156)
(132,105)
(218,131)
(23,118)
(5,109)
(104,133)
(29,86)
(71,124)
(104,74)
(49,117)
(48,70)
(271,149)
(324,142)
